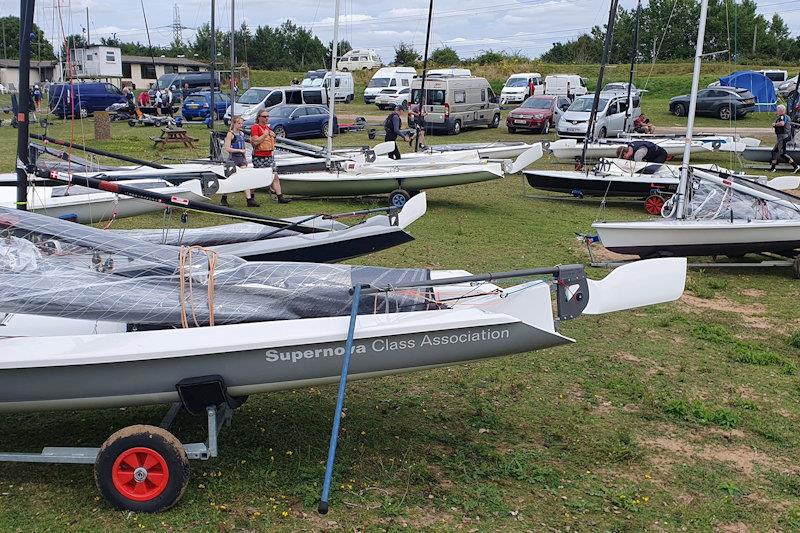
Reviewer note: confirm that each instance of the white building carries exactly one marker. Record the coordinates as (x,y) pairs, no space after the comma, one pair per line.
(40,71)
(96,62)
(141,71)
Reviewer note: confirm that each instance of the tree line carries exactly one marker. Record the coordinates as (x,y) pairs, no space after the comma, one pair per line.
(668,31)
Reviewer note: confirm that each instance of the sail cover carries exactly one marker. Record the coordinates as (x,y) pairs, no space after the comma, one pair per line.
(56,268)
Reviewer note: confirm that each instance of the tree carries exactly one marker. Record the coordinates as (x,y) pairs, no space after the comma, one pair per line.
(41,48)
(73,41)
(342,49)
(405,55)
(445,56)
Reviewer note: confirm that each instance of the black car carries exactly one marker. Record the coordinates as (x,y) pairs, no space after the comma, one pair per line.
(719,101)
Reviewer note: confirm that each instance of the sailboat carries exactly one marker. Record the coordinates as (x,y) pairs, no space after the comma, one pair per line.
(712,214)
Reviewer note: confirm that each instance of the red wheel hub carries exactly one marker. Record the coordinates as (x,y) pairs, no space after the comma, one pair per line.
(653,204)
(140,474)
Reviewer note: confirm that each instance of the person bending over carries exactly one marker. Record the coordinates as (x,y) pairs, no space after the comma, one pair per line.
(642,151)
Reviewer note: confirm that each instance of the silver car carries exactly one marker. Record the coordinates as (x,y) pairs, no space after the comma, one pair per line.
(611,115)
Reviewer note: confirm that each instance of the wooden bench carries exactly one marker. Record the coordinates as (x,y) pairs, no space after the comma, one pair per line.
(174,135)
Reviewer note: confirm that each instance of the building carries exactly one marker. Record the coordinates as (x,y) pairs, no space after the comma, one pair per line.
(40,71)
(96,62)
(141,71)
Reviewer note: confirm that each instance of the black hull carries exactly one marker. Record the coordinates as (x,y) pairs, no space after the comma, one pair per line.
(333,252)
(784,248)
(595,187)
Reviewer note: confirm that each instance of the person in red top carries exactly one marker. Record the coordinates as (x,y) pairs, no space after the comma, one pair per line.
(531,87)
(144,99)
(263,158)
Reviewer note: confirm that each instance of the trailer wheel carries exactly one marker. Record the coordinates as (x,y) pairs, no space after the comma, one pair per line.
(142,468)
(653,204)
(398,198)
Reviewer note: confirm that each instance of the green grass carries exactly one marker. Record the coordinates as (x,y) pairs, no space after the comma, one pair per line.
(666,418)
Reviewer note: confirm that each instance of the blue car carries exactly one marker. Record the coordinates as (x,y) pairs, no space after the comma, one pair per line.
(82,99)
(294,121)
(197,105)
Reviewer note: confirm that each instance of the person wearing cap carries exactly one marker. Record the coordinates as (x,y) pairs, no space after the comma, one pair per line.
(392,126)
(642,151)
(37,97)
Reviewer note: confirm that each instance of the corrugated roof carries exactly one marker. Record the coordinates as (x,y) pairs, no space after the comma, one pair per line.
(14,63)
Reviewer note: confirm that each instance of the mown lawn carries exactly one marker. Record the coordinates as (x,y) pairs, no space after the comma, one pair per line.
(676,417)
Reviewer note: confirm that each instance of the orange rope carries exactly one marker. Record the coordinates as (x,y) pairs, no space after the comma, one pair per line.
(185,258)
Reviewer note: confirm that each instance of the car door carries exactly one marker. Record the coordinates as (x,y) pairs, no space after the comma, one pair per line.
(562,105)
(112,96)
(298,122)
(704,101)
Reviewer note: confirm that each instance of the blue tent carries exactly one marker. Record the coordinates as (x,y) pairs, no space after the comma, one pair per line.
(758,84)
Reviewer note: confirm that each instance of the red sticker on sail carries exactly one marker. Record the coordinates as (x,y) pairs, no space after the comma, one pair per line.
(179,200)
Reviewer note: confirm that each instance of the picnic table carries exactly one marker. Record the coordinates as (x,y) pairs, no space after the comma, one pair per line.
(174,135)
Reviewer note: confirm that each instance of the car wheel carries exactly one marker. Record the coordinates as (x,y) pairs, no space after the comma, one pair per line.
(324,130)
(280,132)
(456,129)
(603,133)
(348,99)
(679,110)
(495,121)
(511,130)
(546,128)
(725,112)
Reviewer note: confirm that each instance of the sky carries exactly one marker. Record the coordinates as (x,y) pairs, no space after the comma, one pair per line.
(529,27)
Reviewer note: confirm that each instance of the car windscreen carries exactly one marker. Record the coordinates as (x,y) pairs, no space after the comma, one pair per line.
(378,82)
(585,104)
(517,82)
(308,82)
(536,103)
(195,100)
(281,112)
(254,96)
(165,81)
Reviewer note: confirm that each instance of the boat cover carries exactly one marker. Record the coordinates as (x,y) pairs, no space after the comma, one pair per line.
(739,199)
(55,268)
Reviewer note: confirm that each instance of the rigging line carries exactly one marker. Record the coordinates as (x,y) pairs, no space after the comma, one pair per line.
(658,49)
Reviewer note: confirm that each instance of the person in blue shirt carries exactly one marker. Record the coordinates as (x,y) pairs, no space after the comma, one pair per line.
(37,97)
(783,134)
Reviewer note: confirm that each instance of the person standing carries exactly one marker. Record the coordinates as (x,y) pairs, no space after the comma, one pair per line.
(234,145)
(392,126)
(642,151)
(783,134)
(167,101)
(263,140)
(185,92)
(37,97)
(418,117)
(158,101)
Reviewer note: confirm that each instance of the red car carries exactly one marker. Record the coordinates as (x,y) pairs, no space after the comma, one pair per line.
(538,112)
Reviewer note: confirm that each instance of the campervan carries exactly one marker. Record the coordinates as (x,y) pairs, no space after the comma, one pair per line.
(345,88)
(569,85)
(388,78)
(450,72)
(518,87)
(255,99)
(358,60)
(453,103)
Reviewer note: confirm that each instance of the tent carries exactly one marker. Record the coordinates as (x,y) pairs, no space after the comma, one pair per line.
(758,84)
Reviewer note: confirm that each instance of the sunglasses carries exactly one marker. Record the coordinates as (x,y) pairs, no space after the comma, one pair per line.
(263,116)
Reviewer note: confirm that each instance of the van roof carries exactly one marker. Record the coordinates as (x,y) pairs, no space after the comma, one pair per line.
(525,75)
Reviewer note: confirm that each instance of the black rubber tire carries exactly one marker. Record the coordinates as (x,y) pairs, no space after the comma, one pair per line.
(324,130)
(380,106)
(344,69)
(157,123)
(456,129)
(280,132)
(83,113)
(603,133)
(495,121)
(156,439)
(725,112)
(398,198)
(546,128)
(679,110)
(511,129)
(348,99)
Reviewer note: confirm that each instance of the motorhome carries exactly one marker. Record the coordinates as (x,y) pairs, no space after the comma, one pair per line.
(255,99)
(388,78)
(569,85)
(518,87)
(453,103)
(344,88)
(363,59)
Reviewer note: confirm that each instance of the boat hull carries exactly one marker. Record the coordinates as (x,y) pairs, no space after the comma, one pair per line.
(580,184)
(716,237)
(764,155)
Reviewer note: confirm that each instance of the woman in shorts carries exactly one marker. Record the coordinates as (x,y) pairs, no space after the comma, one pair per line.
(234,145)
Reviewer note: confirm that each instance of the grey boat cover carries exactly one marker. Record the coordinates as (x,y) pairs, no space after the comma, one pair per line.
(709,200)
(56,268)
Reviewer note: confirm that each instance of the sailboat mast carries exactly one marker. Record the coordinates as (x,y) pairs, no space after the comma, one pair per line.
(332,84)
(634,53)
(612,17)
(23,101)
(212,67)
(424,70)
(233,52)
(687,148)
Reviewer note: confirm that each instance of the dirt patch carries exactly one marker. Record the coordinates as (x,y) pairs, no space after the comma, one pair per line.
(753,293)
(601,255)
(741,458)
(752,314)
(625,356)
(736,527)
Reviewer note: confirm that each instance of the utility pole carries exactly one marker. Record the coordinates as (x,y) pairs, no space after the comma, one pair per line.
(755,33)
(88,38)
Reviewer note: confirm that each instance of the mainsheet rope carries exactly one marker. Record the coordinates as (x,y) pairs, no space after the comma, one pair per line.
(185,259)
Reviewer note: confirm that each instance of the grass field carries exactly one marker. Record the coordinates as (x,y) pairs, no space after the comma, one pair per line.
(680,417)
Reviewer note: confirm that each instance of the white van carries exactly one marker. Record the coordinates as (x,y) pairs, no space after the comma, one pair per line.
(345,88)
(453,103)
(569,85)
(450,72)
(358,60)
(255,99)
(517,87)
(777,77)
(388,78)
